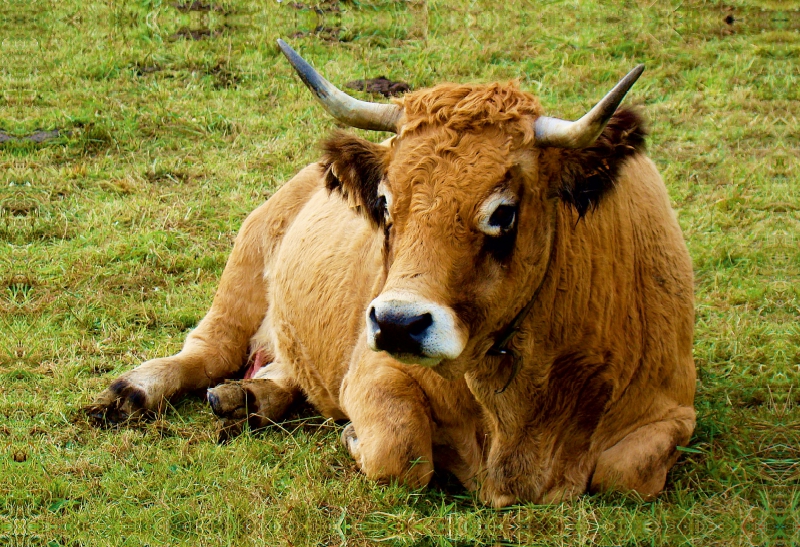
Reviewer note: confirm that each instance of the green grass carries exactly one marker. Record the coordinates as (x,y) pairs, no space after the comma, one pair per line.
(114,234)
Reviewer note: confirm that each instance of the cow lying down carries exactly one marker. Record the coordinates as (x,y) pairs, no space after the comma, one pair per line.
(493,292)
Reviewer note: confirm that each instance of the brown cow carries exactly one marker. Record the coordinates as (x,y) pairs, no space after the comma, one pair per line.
(500,293)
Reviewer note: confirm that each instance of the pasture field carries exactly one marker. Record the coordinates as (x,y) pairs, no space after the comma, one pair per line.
(135,136)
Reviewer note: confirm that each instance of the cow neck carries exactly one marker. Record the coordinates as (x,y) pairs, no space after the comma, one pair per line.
(501,345)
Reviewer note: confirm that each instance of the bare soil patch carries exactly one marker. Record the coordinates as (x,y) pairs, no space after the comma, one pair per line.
(36,136)
(326,34)
(142,69)
(380,86)
(327,6)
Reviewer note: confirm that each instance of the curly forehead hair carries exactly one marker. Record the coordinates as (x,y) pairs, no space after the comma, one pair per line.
(466,108)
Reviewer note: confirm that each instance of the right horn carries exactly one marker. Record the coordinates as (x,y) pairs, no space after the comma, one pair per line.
(555,133)
(340,105)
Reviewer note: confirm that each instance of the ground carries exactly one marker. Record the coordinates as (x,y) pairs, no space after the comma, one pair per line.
(136,136)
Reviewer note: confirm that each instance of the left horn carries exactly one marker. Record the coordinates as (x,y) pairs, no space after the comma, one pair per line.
(340,105)
(557,133)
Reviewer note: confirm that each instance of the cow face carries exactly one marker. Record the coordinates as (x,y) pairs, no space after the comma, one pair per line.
(464,230)
(466,204)
(467,230)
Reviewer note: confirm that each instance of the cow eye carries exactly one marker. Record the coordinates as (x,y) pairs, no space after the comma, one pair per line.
(382,205)
(496,215)
(503,217)
(384,202)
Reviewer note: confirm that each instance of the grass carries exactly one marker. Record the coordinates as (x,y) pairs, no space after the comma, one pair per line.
(174,124)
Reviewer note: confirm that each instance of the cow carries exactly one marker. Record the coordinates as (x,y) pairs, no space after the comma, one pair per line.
(493,292)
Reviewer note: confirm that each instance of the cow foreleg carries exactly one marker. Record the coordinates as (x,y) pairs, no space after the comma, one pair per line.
(390,433)
(217,348)
(640,461)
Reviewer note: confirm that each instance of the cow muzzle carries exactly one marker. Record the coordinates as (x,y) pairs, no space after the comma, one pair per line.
(412,330)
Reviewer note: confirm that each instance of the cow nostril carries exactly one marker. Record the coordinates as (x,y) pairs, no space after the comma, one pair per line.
(374,320)
(420,324)
(399,333)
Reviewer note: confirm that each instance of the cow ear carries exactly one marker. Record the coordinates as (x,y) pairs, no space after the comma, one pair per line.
(354,167)
(584,175)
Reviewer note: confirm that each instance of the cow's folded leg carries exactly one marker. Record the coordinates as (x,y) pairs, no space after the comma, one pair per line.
(229,403)
(258,402)
(270,402)
(390,433)
(640,461)
(216,349)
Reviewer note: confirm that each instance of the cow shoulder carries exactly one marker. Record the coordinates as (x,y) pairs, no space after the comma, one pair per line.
(354,167)
(582,177)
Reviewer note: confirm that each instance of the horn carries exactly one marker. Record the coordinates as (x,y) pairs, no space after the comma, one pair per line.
(340,105)
(580,134)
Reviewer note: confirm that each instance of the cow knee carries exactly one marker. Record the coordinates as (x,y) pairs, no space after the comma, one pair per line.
(640,461)
(387,459)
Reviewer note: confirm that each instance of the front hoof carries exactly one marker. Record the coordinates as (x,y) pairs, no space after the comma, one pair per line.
(228,401)
(119,404)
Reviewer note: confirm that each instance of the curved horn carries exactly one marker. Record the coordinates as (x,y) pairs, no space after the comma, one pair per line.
(340,105)
(580,134)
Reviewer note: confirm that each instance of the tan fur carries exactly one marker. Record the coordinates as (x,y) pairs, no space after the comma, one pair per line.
(606,384)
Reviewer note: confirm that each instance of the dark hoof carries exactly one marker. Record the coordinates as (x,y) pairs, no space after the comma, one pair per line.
(228,401)
(119,404)
(257,403)
(213,400)
(102,415)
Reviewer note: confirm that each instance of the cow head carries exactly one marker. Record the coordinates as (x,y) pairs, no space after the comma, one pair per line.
(465,196)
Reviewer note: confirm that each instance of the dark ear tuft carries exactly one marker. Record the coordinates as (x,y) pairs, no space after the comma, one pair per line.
(587,174)
(355,167)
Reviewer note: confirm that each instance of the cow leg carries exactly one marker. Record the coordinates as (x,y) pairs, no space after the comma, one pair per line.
(217,348)
(258,402)
(640,461)
(390,433)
